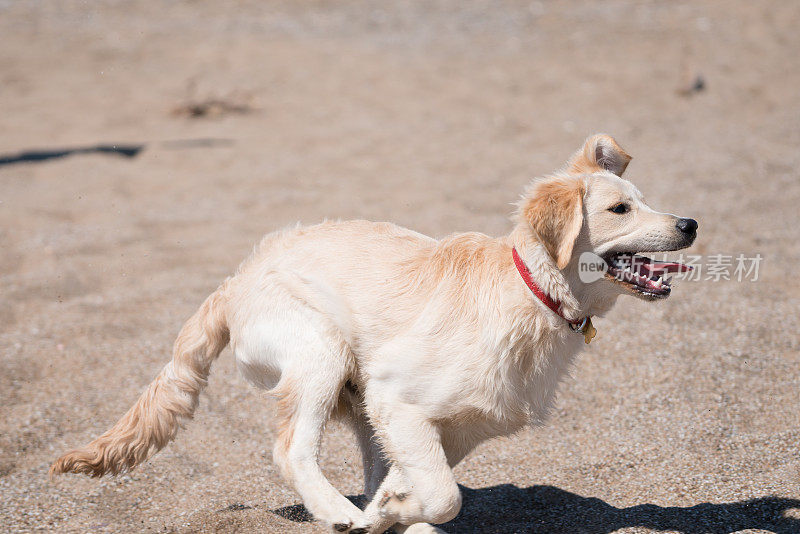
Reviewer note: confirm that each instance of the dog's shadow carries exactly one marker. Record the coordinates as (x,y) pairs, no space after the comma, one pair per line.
(509,509)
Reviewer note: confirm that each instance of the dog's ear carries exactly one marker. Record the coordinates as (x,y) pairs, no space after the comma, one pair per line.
(554,210)
(599,152)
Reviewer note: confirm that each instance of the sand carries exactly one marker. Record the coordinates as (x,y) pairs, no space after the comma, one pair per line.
(681,416)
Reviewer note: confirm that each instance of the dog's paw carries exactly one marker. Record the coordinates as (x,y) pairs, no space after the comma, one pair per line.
(353,523)
(350,528)
(400,506)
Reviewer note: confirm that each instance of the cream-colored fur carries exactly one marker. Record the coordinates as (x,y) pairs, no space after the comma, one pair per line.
(426,347)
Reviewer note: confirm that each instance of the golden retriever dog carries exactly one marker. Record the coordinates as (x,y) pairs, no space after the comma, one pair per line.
(425,347)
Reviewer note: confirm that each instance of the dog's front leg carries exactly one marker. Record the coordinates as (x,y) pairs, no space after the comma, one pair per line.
(420,486)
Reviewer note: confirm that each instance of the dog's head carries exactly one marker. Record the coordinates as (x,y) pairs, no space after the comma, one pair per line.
(589,208)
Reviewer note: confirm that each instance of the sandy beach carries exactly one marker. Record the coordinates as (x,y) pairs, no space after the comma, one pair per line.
(245,117)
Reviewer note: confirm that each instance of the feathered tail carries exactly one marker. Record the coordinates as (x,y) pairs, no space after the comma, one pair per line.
(169,400)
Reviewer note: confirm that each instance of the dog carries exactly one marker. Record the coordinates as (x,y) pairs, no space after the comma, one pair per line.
(426,348)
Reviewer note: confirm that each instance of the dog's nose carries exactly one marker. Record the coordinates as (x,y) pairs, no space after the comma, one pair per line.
(687,226)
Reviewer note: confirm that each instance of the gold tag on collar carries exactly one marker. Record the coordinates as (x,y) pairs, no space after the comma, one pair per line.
(589,331)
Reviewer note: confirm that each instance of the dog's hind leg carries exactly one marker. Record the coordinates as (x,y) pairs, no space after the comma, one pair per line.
(286,342)
(304,404)
(376,466)
(306,394)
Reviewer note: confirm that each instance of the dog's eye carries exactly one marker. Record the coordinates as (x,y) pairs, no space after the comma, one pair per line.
(620,208)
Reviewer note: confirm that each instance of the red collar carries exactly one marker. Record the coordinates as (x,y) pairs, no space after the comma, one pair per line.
(544,297)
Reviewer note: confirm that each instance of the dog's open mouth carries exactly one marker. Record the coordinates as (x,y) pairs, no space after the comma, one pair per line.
(642,275)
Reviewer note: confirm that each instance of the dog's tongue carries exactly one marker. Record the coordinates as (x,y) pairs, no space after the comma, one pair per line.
(664,267)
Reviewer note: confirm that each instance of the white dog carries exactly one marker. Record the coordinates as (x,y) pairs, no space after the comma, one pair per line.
(426,347)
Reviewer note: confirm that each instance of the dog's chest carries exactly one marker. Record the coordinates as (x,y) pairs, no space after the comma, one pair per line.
(519,387)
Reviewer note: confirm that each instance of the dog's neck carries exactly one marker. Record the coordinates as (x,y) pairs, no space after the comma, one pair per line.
(545,273)
(578,300)
(592,301)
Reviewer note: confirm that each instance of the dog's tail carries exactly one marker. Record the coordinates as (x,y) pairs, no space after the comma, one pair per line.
(168,401)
